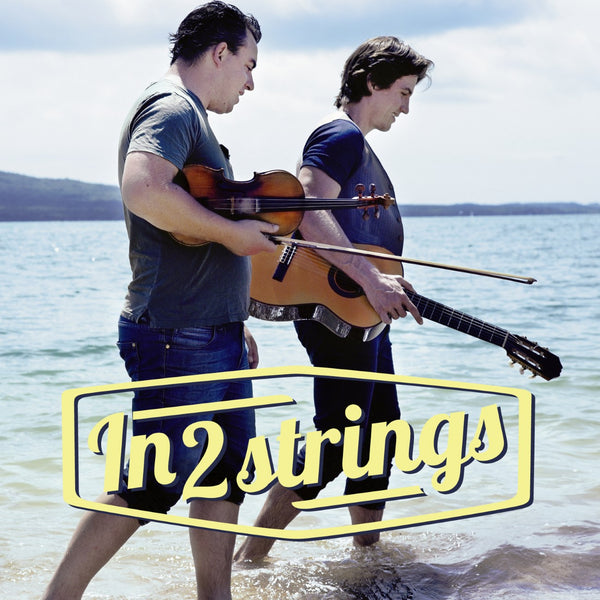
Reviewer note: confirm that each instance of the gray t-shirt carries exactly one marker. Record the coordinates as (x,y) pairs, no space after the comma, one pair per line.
(173,285)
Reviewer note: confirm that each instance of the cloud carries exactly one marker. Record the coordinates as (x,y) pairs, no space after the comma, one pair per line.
(74,26)
(63,112)
(339,22)
(510,115)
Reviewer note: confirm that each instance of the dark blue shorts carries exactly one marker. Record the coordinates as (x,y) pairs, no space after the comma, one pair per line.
(154,353)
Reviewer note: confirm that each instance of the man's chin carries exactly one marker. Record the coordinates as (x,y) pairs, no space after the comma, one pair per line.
(223,110)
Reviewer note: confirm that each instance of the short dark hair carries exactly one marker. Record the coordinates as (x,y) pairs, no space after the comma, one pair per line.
(209,25)
(381,60)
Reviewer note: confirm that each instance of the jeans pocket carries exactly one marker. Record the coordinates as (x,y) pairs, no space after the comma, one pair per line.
(194,337)
(130,355)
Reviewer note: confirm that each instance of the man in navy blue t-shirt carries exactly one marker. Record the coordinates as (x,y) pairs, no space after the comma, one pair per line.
(377,84)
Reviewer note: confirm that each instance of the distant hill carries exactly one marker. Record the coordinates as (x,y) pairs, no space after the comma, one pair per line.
(24,198)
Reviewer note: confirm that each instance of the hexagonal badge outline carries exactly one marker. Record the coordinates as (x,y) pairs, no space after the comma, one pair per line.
(522,498)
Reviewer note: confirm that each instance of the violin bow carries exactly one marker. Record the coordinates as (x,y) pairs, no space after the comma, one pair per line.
(369,253)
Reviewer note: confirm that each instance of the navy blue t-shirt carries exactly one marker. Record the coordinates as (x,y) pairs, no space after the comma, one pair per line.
(336,148)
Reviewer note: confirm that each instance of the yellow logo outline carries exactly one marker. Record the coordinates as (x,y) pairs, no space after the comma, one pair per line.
(522,498)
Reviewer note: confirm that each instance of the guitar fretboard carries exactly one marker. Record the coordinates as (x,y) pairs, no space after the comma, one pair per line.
(444,315)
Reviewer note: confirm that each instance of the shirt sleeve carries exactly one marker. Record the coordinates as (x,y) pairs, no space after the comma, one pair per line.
(335,148)
(165,126)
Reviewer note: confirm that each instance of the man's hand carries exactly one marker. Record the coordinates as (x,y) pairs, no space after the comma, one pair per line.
(252,348)
(386,295)
(248,237)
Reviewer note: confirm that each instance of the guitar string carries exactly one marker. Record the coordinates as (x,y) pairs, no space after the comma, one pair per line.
(310,260)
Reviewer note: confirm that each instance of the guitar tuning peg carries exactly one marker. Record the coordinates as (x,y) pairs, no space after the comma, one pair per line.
(373,189)
(360,190)
(365,215)
(522,370)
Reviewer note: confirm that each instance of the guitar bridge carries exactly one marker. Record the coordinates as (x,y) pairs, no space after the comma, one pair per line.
(285,260)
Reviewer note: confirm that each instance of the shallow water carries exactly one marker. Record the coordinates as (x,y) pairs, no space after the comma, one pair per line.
(62,289)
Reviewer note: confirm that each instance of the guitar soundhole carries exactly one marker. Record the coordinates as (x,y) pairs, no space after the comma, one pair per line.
(342,284)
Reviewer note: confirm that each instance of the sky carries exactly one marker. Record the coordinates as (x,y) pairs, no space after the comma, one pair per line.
(510,114)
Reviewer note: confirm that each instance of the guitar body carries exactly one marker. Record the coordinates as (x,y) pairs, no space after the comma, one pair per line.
(314,289)
(298,284)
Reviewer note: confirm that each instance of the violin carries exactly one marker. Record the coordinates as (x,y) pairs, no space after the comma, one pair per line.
(273,196)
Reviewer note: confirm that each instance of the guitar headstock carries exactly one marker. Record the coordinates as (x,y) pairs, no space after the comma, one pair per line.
(373,200)
(540,361)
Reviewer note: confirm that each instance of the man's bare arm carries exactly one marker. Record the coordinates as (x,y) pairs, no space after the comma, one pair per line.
(149,192)
(384,292)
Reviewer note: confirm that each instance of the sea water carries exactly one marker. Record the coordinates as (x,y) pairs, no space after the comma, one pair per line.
(61,290)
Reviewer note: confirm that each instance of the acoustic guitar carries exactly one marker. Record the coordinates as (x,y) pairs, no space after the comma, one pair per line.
(298,284)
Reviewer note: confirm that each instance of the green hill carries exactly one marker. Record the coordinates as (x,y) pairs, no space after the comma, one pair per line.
(24,198)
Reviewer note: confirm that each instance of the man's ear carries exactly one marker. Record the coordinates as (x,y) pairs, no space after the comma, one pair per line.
(370,86)
(219,51)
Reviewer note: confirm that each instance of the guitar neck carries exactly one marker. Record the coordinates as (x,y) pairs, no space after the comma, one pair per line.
(444,315)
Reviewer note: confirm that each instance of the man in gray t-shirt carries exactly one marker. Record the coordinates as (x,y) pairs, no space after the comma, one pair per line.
(186,303)
(175,285)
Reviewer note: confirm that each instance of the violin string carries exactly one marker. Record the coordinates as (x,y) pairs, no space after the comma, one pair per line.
(293,204)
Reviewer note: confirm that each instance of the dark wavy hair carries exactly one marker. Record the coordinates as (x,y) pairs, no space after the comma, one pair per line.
(381,60)
(209,25)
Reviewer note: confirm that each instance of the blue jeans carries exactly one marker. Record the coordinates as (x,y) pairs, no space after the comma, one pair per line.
(378,401)
(154,353)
